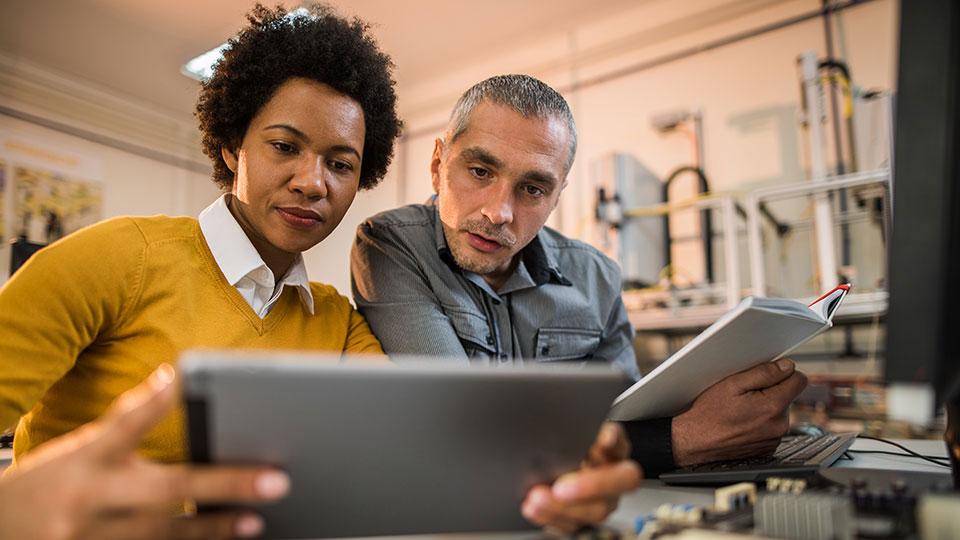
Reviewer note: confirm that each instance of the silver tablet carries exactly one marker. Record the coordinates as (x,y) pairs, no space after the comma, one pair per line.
(393,449)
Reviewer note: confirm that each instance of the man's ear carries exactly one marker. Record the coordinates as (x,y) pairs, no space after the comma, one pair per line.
(230,158)
(435,164)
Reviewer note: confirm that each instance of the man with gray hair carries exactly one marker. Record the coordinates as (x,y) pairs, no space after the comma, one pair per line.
(474,274)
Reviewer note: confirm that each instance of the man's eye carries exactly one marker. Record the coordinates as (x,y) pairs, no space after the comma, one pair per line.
(283,148)
(534,191)
(480,172)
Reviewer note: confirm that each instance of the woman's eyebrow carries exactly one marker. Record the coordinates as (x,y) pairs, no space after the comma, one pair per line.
(291,129)
(346,148)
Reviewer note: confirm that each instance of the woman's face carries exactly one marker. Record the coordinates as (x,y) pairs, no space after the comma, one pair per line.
(297,169)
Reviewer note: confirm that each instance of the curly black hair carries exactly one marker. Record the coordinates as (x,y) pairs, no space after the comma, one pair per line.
(277,46)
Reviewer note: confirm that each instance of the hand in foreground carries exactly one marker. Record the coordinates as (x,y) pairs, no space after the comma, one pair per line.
(91,483)
(589,495)
(740,416)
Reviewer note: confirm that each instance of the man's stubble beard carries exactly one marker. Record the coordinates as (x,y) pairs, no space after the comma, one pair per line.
(475,263)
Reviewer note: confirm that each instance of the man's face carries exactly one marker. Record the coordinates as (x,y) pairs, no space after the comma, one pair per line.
(497,182)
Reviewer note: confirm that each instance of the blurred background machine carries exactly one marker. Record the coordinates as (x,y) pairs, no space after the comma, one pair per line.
(690,253)
(792,240)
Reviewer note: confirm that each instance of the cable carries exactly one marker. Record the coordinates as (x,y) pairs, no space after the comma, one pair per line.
(705,220)
(933,459)
(909,452)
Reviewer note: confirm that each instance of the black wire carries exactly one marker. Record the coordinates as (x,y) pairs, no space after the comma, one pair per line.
(932,459)
(909,452)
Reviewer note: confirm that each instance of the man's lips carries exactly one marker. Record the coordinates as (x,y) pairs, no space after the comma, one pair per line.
(482,244)
(300,217)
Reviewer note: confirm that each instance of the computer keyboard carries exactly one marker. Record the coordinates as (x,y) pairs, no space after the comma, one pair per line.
(796,456)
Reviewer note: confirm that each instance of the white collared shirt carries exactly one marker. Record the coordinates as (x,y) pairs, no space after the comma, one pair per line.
(242,265)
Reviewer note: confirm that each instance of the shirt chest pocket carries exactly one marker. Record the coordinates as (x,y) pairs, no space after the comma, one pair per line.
(554,344)
(473,332)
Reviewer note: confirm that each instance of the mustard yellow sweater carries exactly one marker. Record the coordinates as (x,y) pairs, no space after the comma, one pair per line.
(92,315)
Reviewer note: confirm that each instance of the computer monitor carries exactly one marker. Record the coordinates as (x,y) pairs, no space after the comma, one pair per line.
(923,325)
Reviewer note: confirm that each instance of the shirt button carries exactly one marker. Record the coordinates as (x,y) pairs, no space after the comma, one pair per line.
(503,358)
(490,340)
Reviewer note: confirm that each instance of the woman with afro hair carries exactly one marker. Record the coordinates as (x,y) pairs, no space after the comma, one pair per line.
(300,114)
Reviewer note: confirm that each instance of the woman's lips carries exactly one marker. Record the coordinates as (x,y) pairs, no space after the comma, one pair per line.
(482,244)
(300,217)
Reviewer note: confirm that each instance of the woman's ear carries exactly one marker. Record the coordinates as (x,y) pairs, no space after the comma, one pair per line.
(229,158)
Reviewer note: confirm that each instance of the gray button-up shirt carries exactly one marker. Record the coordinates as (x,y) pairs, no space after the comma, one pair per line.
(562,302)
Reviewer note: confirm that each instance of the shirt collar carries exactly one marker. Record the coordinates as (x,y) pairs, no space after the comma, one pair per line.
(538,262)
(237,258)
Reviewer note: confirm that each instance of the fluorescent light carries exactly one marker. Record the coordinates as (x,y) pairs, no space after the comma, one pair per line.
(201,67)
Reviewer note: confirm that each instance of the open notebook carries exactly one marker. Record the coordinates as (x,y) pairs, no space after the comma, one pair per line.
(757,330)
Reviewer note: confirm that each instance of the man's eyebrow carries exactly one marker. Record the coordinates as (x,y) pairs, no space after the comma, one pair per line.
(346,148)
(475,153)
(542,177)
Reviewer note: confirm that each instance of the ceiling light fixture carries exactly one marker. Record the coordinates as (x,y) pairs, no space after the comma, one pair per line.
(201,67)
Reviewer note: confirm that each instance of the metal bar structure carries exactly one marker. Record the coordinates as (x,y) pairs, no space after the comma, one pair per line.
(726,206)
(758,276)
(890,165)
(713,201)
(823,211)
(731,254)
(830,183)
(818,188)
(683,319)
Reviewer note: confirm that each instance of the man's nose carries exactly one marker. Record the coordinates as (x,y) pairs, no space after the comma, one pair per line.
(498,207)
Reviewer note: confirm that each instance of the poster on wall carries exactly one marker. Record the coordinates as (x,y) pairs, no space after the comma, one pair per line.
(49,205)
(51,190)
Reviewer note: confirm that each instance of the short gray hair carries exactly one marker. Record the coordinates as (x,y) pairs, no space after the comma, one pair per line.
(528,96)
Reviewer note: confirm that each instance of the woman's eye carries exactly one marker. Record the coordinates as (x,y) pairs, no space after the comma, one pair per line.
(283,148)
(341,166)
